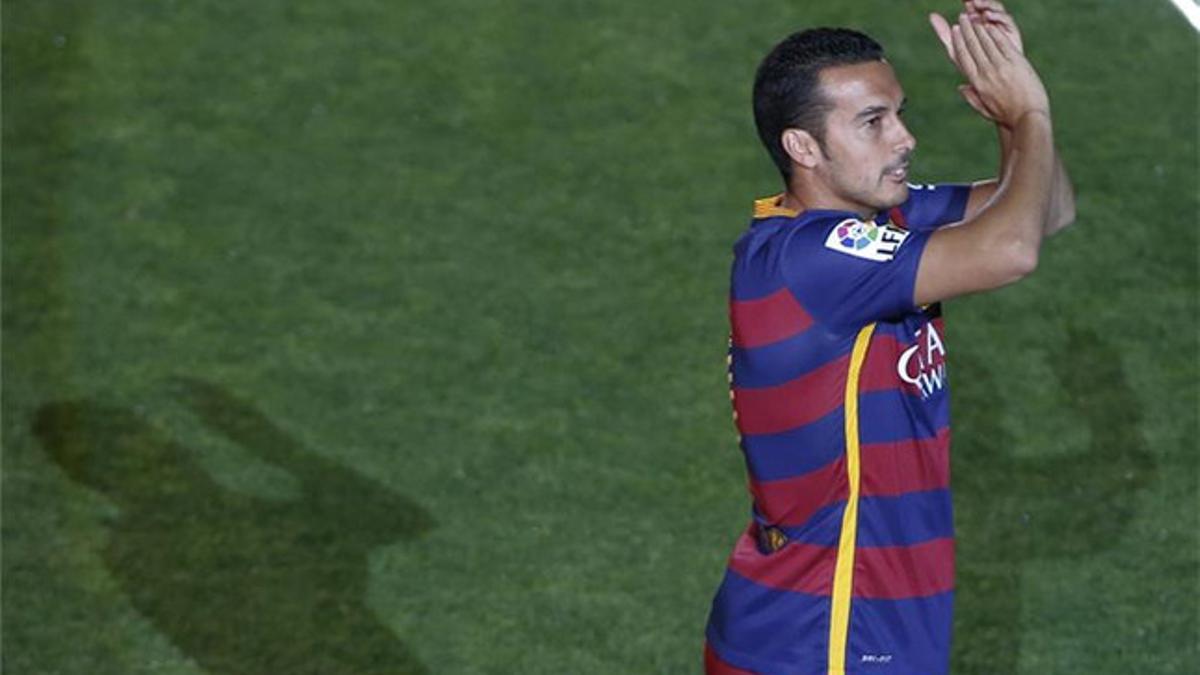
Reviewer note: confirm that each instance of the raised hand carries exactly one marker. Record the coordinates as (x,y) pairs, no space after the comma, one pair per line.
(1001,84)
(991,12)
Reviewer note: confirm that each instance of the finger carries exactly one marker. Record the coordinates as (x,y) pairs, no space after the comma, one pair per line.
(942,29)
(963,59)
(997,47)
(981,8)
(987,35)
(1000,18)
(970,37)
(1006,22)
(988,5)
(1008,41)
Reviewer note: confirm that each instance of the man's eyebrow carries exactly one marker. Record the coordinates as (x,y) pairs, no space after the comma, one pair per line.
(876,109)
(873,110)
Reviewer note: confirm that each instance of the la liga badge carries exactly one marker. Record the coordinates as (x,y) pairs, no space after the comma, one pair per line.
(863,239)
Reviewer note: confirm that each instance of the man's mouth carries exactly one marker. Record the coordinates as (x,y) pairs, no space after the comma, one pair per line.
(898,173)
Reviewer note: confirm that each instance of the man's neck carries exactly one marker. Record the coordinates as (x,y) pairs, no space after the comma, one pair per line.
(801,198)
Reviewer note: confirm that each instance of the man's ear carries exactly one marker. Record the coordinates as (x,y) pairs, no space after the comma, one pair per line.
(802,147)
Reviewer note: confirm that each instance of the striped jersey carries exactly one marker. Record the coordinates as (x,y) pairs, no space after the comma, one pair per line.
(841,403)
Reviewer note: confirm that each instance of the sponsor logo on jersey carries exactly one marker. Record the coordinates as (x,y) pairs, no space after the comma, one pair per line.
(866,240)
(923,365)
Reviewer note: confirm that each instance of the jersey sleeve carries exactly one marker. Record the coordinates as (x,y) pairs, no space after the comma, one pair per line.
(930,206)
(849,273)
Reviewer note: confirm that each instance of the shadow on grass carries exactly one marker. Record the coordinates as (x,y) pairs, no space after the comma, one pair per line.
(242,585)
(1013,511)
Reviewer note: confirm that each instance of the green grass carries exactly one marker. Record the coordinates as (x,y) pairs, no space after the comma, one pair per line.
(389,337)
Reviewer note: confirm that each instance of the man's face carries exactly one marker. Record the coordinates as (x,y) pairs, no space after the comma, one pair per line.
(867,145)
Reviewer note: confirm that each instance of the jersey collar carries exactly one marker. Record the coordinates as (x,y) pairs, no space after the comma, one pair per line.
(769,207)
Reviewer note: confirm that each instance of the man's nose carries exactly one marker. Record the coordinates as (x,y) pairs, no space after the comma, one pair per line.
(906,142)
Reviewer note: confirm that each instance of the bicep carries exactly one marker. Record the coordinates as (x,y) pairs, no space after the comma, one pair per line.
(962,260)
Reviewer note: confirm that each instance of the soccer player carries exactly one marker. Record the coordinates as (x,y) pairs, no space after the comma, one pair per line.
(838,358)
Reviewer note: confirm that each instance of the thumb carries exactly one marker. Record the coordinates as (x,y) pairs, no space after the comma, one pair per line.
(942,29)
(972,98)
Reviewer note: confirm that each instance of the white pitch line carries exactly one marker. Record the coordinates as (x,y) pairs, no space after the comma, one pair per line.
(1191,11)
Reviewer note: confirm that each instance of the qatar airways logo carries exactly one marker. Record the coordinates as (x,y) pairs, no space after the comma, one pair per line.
(923,365)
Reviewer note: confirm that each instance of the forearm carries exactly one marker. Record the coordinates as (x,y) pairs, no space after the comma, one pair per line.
(1062,199)
(1015,221)
(1061,212)
(1000,244)
(1005,136)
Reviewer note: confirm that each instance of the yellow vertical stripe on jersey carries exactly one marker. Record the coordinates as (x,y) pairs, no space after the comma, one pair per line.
(843,576)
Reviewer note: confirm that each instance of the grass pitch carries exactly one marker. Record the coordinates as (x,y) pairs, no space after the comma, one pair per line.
(372,337)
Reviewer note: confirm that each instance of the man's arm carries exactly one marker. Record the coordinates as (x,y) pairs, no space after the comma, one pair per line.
(1000,243)
(1062,201)
(1062,194)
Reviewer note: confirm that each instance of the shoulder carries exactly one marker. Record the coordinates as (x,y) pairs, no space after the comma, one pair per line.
(771,239)
(834,235)
(865,239)
(930,206)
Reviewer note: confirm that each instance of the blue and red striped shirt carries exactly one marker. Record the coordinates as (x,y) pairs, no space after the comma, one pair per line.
(840,399)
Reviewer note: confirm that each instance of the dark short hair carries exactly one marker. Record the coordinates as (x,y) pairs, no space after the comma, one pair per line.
(786,87)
